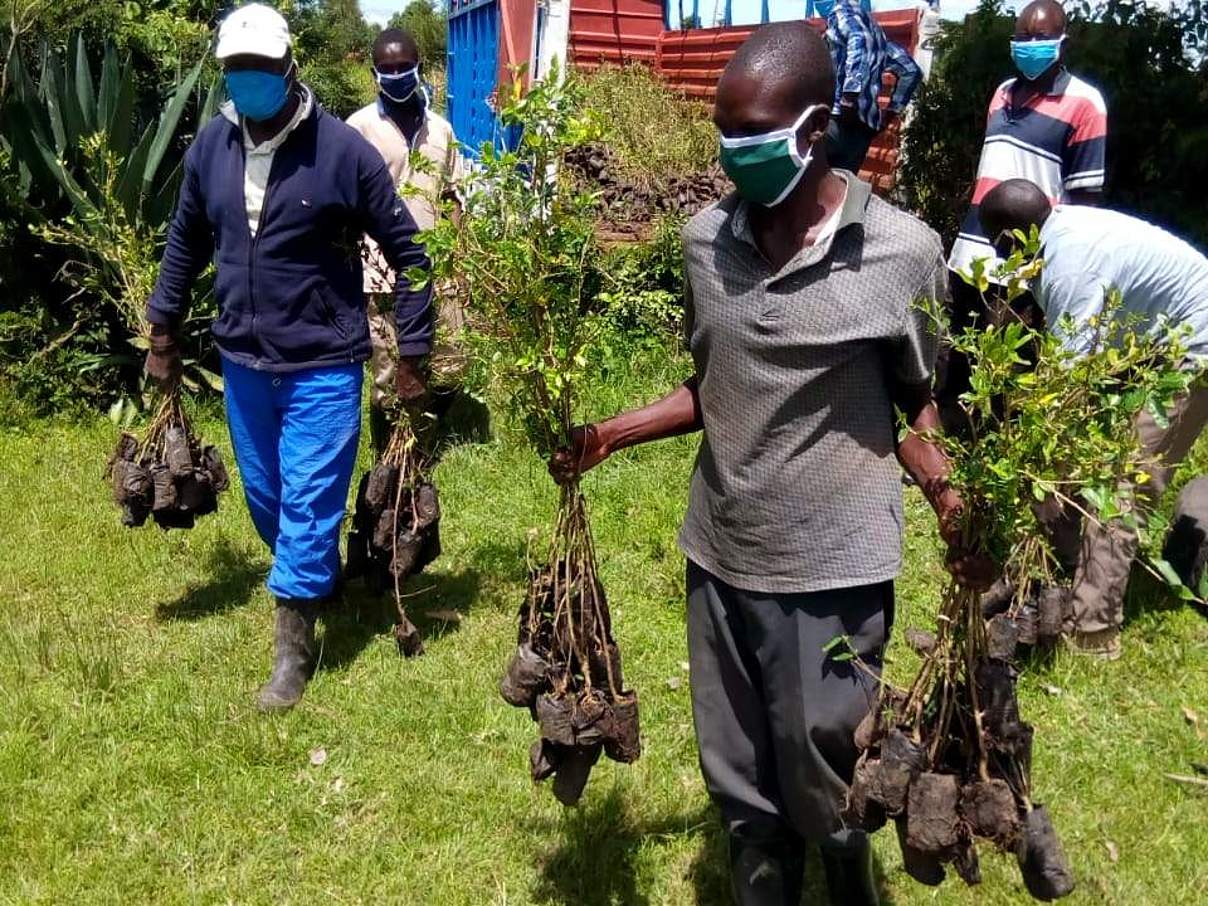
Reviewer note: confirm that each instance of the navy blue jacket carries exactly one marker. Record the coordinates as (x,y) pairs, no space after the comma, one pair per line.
(290,298)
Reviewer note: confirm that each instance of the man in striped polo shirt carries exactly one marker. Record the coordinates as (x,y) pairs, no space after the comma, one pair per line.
(1046,126)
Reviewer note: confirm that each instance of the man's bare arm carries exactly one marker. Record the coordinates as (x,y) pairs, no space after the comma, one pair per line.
(676,413)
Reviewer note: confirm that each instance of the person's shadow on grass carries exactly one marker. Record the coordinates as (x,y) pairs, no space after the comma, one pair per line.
(234,577)
(435,602)
(597,864)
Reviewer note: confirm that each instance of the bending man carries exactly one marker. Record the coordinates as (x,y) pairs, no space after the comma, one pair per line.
(1088,251)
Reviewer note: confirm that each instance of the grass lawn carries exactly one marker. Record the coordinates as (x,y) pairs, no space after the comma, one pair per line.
(134,767)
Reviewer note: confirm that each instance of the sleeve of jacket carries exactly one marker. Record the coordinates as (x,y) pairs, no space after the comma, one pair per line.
(189,248)
(387,221)
(856,64)
(907,72)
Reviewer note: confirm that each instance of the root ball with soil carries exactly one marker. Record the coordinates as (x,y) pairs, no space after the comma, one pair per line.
(168,474)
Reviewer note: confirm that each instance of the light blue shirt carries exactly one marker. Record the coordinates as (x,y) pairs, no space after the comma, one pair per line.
(1089,250)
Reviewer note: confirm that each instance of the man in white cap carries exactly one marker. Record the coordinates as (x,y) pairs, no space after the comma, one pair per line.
(277,192)
(421,153)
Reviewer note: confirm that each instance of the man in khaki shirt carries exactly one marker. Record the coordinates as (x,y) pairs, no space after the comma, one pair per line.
(401,123)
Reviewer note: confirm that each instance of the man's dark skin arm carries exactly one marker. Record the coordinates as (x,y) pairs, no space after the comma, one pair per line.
(675,414)
(679,413)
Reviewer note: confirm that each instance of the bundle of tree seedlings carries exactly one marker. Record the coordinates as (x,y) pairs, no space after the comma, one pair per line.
(396,526)
(168,474)
(522,252)
(949,758)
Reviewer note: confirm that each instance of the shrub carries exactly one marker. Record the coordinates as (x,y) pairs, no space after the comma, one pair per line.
(94,179)
(654,132)
(642,287)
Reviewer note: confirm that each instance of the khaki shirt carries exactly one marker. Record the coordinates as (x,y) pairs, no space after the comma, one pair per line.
(797,487)
(436,142)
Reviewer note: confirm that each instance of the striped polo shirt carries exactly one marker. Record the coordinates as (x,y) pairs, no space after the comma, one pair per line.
(1057,140)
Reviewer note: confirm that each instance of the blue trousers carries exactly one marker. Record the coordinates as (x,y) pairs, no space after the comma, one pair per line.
(295,437)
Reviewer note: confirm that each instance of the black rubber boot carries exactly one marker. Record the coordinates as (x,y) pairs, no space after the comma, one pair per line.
(766,873)
(294,658)
(849,875)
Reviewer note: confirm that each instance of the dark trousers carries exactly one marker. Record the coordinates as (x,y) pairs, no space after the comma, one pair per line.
(774,713)
(847,144)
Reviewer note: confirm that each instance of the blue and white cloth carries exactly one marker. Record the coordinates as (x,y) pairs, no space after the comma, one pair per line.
(861,54)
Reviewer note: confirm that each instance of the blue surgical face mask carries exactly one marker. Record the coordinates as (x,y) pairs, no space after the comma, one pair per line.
(257,95)
(824,8)
(398,87)
(1033,58)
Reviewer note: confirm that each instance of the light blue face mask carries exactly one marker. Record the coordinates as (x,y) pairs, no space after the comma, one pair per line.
(257,95)
(1033,58)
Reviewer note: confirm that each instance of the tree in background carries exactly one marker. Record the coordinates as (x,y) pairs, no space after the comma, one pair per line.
(332,44)
(425,21)
(1152,67)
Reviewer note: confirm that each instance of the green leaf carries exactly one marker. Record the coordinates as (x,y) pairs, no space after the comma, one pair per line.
(75,129)
(164,200)
(130,186)
(120,125)
(1158,412)
(110,89)
(39,155)
(1168,574)
(209,107)
(85,94)
(168,121)
(52,98)
(835,643)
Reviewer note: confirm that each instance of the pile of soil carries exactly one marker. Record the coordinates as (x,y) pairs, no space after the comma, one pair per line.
(169,475)
(627,207)
(396,528)
(567,670)
(950,761)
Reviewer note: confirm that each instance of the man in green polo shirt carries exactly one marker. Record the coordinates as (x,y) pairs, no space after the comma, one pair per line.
(805,336)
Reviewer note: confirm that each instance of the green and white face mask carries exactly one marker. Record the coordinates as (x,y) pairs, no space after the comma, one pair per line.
(766,168)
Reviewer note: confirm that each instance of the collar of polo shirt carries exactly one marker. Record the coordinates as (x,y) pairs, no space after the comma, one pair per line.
(855,203)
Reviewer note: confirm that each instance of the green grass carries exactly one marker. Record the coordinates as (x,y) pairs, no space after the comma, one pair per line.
(134,768)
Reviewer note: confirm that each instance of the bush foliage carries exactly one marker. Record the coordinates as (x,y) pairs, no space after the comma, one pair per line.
(654,132)
(424,20)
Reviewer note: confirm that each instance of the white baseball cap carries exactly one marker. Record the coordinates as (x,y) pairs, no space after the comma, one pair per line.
(253,29)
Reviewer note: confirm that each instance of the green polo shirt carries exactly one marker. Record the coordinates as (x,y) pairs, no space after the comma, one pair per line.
(797,487)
